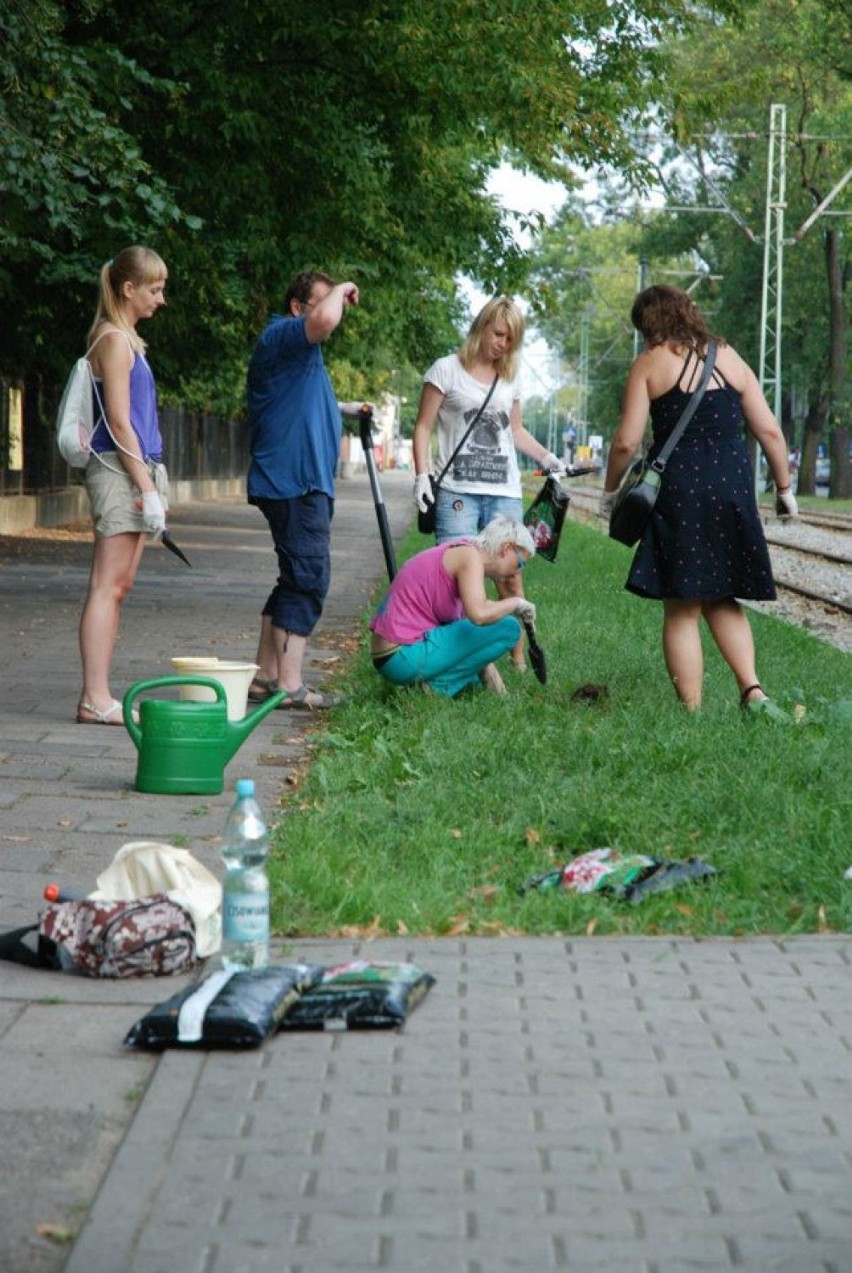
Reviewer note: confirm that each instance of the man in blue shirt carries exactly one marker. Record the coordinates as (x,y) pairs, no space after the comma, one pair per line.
(294,438)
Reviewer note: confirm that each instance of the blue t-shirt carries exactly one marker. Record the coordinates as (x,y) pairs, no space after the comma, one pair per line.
(294,419)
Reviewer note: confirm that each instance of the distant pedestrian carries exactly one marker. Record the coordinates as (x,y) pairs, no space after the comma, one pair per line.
(437,627)
(570,444)
(704,546)
(294,438)
(484,480)
(126,481)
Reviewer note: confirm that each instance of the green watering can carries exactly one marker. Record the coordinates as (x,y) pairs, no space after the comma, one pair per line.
(184,746)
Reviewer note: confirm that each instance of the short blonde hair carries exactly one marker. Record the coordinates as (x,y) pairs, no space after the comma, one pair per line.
(505,530)
(499,308)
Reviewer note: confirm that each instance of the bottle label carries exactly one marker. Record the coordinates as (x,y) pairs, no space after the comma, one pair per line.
(245,917)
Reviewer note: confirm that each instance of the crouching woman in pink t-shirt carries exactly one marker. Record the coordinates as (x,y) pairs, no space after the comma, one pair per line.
(436,626)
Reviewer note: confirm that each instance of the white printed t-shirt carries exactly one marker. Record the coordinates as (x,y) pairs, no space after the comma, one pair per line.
(487,464)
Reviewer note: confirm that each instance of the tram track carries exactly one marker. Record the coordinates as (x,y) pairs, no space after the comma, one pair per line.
(813,575)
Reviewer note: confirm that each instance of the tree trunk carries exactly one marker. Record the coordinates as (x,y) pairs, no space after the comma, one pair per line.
(814,422)
(840,481)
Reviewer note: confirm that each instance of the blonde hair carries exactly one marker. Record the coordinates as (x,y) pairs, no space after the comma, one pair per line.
(135,265)
(505,530)
(499,308)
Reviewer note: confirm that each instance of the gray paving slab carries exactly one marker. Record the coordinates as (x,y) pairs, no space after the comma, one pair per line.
(641,1105)
(68,1090)
(483,1138)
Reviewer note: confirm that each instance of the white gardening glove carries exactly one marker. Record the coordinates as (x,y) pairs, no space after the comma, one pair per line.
(525,610)
(553,465)
(153,513)
(605,504)
(785,504)
(423,492)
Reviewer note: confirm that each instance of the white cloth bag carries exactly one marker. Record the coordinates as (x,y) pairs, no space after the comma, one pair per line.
(143,867)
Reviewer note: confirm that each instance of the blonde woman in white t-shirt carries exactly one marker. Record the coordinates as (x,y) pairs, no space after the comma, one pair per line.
(483,481)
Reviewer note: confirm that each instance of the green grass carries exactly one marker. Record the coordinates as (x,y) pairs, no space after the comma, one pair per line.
(424,815)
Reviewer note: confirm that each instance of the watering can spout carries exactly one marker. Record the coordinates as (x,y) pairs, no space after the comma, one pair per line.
(238,731)
(184,746)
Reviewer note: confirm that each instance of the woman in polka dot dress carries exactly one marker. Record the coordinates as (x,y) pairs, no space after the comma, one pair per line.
(704,546)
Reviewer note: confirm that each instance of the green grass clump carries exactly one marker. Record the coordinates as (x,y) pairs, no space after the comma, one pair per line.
(424,815)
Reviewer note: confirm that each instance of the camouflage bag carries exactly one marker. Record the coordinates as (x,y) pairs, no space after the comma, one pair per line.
(150,937)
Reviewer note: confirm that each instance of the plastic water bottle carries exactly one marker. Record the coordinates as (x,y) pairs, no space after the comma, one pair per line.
(245,888)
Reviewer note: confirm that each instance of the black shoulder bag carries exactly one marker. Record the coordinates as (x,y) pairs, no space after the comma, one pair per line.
(637,495)
(426,521)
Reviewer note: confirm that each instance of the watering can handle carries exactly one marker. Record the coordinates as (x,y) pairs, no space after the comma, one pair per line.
(156,683)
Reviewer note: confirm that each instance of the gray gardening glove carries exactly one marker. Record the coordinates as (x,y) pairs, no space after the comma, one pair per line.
(605,504)
(785,504)
(525,610)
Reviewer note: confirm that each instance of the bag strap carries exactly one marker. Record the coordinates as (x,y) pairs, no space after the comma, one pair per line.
(15,948)
(468,432)
(689,410)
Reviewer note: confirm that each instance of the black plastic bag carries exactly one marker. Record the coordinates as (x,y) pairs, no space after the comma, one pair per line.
(545,516)
(225,1010)
(360,995)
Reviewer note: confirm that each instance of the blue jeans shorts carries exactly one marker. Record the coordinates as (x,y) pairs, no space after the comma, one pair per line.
(301,533)
(459,515)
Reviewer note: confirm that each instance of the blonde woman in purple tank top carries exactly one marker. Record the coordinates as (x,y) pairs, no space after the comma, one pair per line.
(125,478)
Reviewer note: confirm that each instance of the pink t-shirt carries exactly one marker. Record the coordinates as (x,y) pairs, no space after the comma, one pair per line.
(423,596)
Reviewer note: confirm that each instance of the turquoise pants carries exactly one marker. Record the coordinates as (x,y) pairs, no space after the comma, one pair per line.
(452,656)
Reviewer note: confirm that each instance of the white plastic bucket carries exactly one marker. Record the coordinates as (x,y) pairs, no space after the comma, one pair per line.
(235,679)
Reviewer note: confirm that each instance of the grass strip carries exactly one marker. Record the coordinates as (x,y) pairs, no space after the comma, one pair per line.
(423,815)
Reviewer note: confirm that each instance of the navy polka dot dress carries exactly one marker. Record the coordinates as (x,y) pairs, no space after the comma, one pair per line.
(704,541)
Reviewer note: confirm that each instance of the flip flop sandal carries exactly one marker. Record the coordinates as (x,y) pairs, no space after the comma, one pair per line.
(111,716)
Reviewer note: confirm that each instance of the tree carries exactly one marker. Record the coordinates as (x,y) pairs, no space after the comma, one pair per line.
(720,111)
(70,173)
(582,283)
(353,135)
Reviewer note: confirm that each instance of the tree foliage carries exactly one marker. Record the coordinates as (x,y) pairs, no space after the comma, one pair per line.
(245,139)
(708,145)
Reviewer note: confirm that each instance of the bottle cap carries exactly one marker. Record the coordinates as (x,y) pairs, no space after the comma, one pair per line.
(245,787)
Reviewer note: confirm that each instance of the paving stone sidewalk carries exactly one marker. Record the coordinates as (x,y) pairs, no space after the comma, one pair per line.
(639,1105)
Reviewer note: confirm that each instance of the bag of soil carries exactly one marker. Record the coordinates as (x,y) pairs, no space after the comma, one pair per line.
(360,995)
(630,877)
(228,1009)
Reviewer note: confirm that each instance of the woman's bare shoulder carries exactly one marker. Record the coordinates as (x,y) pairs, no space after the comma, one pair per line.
(112,347)
(734,368)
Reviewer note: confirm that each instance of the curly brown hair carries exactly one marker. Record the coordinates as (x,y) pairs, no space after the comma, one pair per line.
(664,315)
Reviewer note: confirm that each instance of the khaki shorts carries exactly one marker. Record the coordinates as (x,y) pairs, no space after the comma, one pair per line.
(113,496)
